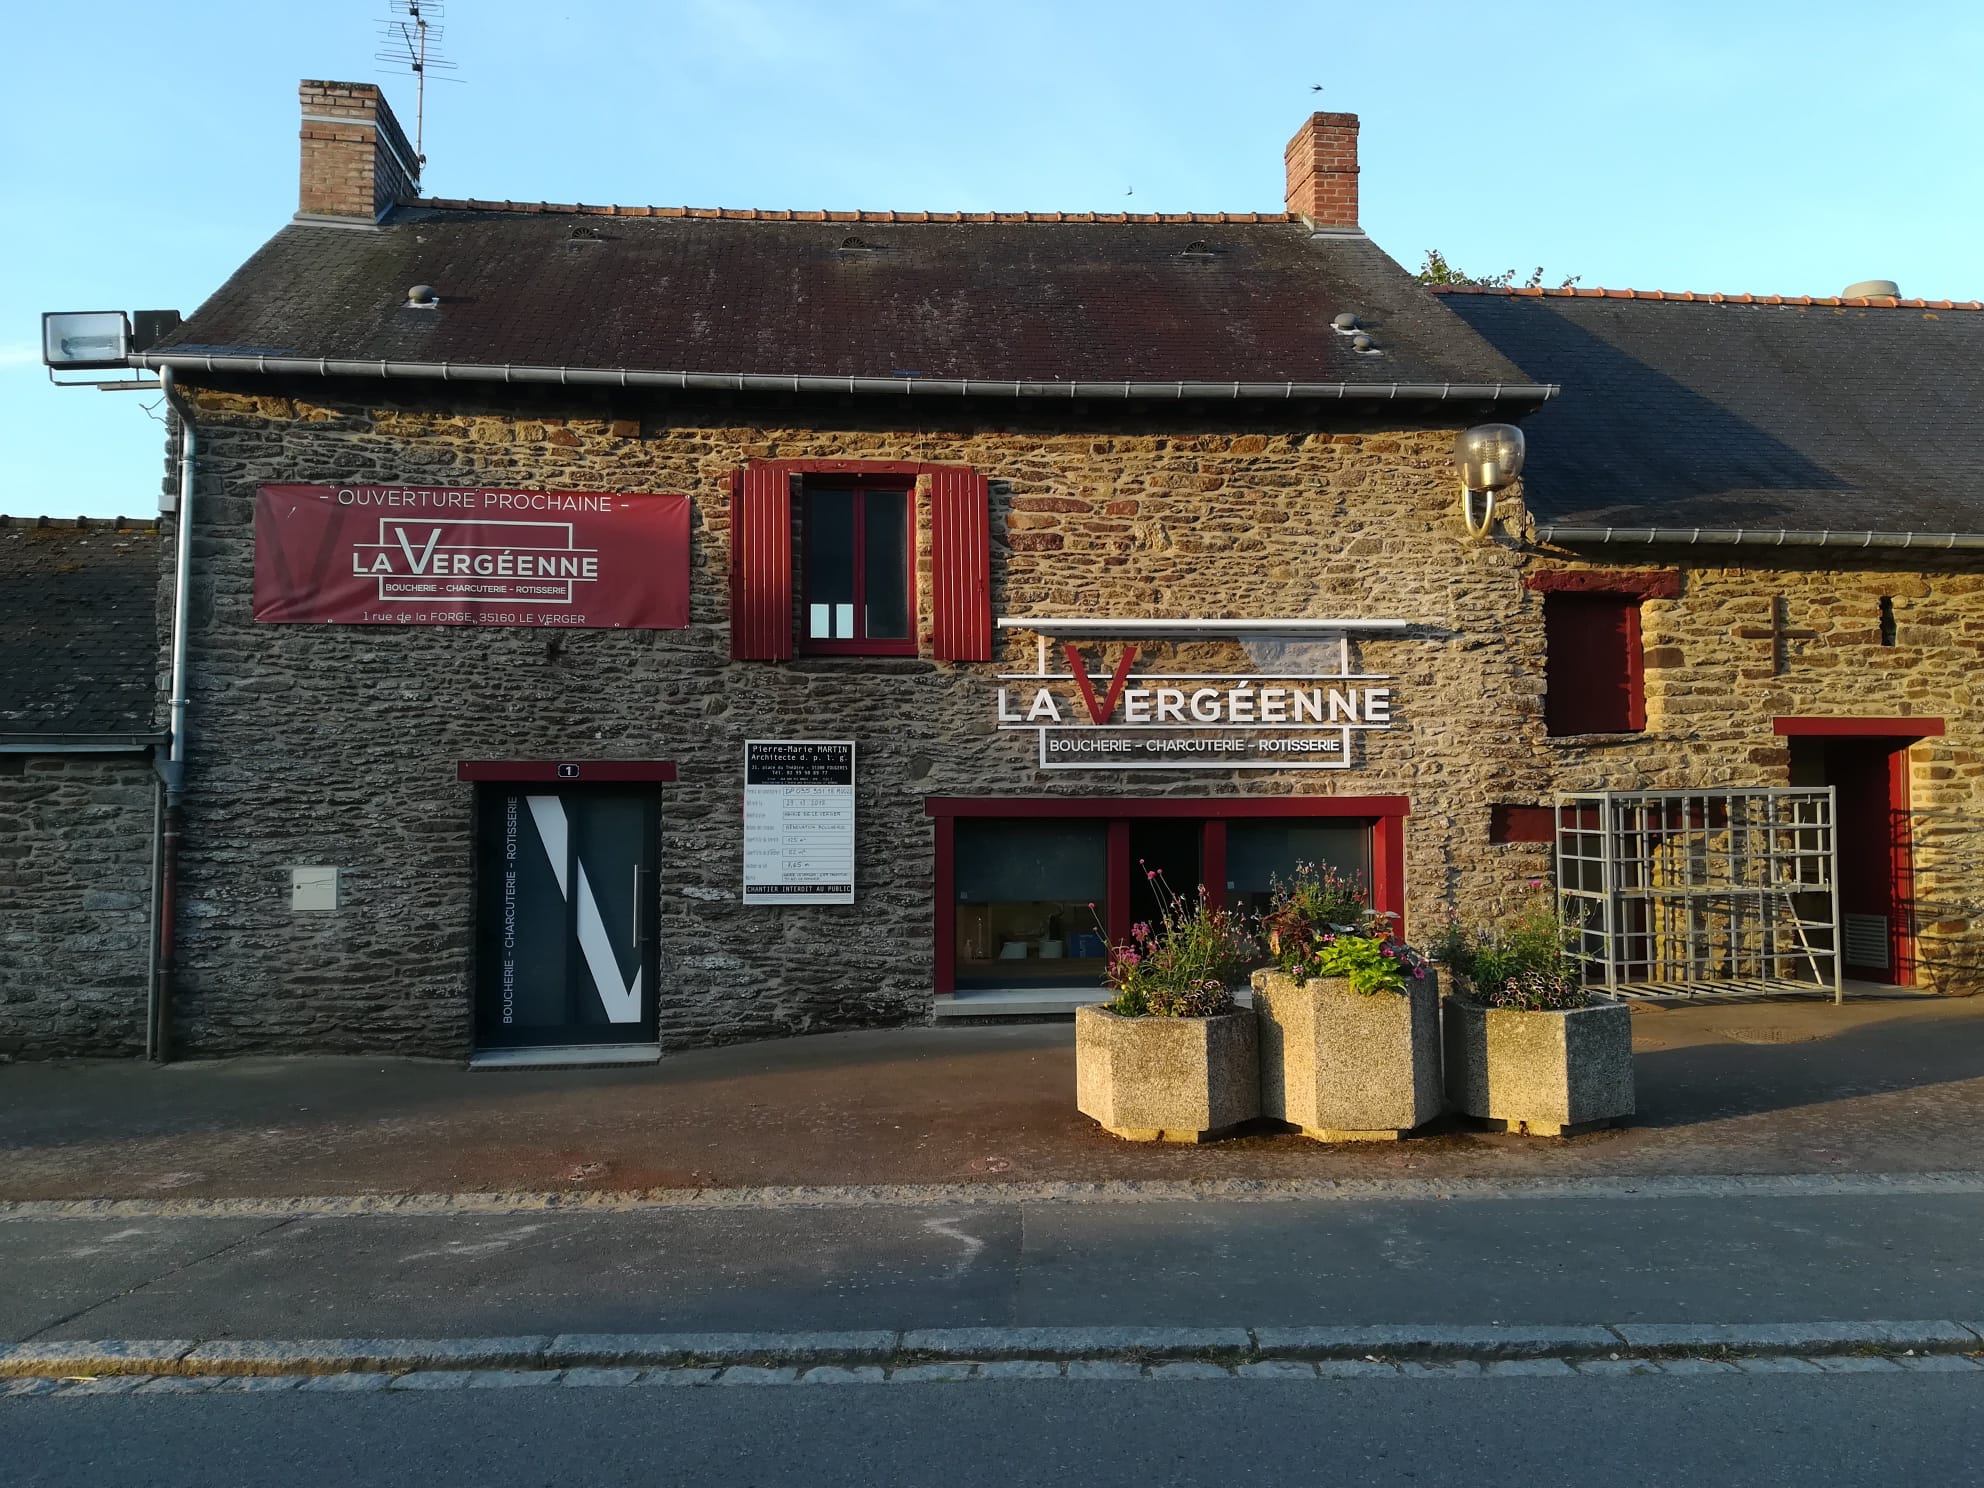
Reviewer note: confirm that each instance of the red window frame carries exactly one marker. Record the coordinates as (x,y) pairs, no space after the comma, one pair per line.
(1591,687)
(1385,816)
(860,644)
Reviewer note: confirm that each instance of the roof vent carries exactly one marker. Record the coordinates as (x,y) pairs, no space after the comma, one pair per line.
(1198,248)
(1872,289)
(585,232)
(423,297)
(1365,343)
(1345,323)
(855,245)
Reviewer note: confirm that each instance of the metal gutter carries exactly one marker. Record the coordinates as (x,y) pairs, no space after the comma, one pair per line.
(1759,537)
(172,768)
(765,382)
(79,743)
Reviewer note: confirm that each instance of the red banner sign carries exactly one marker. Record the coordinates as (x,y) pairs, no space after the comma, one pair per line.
(419,555)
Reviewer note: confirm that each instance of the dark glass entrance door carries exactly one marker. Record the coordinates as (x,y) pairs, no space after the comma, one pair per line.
(565,949)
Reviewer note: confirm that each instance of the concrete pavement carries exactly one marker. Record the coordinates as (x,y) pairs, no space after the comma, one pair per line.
(1873,1087)
(1700,1251)
(1454,1429)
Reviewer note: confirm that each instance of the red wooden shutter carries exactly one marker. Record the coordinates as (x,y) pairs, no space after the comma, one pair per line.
(961,563)
(1592,664)
(761,563)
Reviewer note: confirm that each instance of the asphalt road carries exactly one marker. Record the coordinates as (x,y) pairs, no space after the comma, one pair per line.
(1719,1256)
(1758,1431)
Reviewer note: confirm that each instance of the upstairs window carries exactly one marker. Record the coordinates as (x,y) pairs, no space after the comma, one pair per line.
(856,570)
(1592,669)
(823,560)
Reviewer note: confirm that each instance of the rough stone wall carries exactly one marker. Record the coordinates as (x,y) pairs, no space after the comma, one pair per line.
(1712,694)
(75,895)
(337,745)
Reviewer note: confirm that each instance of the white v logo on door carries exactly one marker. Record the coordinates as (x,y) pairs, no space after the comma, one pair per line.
(622,1003)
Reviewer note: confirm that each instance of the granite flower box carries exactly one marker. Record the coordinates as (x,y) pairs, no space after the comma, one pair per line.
(1544,1073)
(1167,1079)
(1347,1066)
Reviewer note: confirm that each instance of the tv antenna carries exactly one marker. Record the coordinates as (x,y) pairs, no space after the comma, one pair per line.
(412,36)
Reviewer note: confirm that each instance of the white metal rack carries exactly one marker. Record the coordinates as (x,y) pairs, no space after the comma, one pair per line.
(1702,893)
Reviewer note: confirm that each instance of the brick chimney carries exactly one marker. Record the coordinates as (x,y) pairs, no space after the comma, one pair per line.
(356,162)
(1322,170)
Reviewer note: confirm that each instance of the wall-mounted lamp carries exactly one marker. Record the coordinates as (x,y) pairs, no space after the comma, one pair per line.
(1490,458)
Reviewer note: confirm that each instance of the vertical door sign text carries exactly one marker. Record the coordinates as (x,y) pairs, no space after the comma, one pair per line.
(798,821)
(510,911)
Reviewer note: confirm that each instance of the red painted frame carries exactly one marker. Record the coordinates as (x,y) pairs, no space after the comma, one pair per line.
(1900,846)
(588,772)
(1851,728)
(894,483)
(1657,583)
(1386,815)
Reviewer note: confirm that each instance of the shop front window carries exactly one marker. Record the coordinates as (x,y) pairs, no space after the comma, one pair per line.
(1261,851)
(1029,896)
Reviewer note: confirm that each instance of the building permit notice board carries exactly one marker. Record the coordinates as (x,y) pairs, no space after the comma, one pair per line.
(799,821)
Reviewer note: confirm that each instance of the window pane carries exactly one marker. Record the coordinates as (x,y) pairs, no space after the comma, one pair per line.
(1024,890)
(1260,851)
(828,540)
(885,575)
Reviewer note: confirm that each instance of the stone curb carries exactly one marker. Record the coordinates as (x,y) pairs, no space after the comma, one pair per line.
(952,1195)
(1419,1343)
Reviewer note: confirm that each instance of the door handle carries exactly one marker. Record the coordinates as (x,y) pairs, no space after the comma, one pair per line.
(637,904)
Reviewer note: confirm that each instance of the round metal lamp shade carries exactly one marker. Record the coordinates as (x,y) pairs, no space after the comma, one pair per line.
(1489,456)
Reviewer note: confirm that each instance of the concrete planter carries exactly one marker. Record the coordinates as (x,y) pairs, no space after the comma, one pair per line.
(1344,1066)
(1550,1074)
(1167,1079)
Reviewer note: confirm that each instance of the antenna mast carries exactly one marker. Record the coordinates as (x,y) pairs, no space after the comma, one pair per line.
(412,34)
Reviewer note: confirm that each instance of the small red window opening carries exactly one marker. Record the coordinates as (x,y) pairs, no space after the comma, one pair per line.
(857,568)
(1592,666)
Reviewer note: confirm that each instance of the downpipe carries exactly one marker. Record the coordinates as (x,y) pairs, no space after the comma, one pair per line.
(172,770)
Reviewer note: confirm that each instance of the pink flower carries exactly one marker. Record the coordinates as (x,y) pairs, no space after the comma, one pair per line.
(1419,971)
(1150,873)
(1127,957)
(1141,930)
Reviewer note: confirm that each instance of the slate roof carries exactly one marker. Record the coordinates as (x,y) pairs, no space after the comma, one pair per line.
(994,297)
(1736,411)
(78,629)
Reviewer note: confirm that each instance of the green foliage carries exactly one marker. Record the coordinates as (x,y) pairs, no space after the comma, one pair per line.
(1523,963)
(1371,963)
(1436,270)
(1183,966)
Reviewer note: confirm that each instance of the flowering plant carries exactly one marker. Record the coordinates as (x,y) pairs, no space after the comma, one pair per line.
(1522,963)
(1182,966)
(1315,900)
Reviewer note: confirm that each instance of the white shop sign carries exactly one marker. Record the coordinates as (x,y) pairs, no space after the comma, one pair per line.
(1102,714)
(799,821)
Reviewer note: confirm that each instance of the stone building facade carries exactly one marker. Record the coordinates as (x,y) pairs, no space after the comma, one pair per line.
(1221,442)
(78,795)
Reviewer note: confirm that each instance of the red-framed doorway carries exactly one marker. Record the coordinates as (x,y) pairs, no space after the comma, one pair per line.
(1384,815)
(1865,760)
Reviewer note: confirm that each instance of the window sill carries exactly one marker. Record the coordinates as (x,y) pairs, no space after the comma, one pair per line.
(857,648)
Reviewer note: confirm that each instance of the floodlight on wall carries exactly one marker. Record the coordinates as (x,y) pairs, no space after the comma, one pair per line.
(101,340)
(85,340)
(1489,457)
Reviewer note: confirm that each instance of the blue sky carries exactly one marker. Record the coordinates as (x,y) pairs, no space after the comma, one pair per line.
(1750,145)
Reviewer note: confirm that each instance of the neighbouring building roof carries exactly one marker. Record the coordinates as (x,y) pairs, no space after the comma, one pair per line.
(1753,412)
(78,629)
(992,297)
